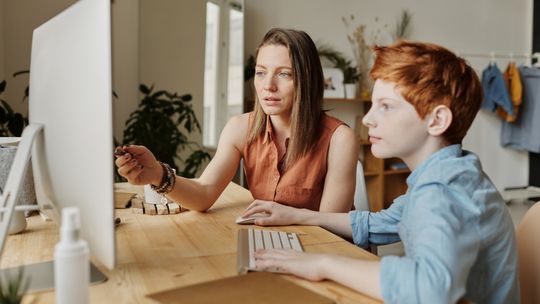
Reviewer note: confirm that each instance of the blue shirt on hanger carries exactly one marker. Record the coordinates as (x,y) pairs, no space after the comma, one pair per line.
(456,230)
(523,134)
(495,91)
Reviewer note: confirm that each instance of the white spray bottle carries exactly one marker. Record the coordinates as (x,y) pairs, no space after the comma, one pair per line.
(71,261)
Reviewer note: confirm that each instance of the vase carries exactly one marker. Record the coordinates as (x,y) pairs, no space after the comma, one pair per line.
(350,90)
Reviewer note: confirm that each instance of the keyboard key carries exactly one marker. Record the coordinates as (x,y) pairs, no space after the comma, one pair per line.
(250,240)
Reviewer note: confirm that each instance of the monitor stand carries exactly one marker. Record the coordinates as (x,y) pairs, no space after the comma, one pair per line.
(41,274)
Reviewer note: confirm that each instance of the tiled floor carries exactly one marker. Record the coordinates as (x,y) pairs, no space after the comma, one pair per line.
(517,209)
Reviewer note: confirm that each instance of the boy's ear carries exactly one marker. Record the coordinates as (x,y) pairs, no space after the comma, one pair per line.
(439,121)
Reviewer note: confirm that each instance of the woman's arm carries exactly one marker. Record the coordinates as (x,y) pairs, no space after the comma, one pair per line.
(340,181)
(280,215)
(195,194)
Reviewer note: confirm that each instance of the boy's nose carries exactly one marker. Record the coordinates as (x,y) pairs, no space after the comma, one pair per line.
(368,121)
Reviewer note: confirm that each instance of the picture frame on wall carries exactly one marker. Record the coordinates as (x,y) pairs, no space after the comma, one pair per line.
(333,83)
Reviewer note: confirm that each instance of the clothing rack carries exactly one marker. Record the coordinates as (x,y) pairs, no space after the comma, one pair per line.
(493,56)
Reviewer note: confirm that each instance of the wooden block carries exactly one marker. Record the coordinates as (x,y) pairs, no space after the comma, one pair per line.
(150,209)
(174,208)
(138,206)
(162,209)
(137,203)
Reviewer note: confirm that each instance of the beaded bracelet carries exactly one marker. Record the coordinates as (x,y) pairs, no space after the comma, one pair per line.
(167,181)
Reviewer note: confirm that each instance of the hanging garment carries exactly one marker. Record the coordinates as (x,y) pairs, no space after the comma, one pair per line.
(512,80)
(524,133)
(495,92)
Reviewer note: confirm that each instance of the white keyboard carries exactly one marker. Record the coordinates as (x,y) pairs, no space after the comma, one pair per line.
(250,240)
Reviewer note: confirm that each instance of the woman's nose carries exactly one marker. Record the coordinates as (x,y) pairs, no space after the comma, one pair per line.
(269,84)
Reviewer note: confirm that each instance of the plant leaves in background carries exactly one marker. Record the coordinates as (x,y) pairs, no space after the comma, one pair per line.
(161,123)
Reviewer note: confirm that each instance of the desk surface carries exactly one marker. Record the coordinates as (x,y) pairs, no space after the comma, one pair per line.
(160,252)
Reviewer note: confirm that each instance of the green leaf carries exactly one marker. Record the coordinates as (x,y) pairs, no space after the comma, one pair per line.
(16,124)
(7,107)
(144,89)
(3,116)
(21,72)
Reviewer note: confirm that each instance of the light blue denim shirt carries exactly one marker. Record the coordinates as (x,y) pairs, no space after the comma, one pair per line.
(495,91)
(457,234)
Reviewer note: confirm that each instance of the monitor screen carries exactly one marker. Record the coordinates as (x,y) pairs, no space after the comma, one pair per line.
(71,96)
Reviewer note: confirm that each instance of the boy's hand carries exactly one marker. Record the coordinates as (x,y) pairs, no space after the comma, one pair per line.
(300,264)
(278,214)
(138,165)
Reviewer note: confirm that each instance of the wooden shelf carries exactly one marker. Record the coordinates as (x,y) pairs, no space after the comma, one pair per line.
(370,173)
(363,142)
(351,100)
(398,171)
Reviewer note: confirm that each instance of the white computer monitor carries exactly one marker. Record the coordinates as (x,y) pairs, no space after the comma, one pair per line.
(70,128)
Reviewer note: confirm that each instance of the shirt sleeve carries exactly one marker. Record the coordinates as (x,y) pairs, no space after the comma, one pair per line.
(377,228)
(487,103)
(443,238)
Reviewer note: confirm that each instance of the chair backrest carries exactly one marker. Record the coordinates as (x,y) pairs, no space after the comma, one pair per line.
(528,243)
(360,194)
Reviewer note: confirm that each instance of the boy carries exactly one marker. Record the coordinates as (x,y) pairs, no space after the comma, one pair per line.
(457,233)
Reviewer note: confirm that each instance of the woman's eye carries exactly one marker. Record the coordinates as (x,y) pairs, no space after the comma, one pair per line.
(259,73)
(285,75)
(384,107)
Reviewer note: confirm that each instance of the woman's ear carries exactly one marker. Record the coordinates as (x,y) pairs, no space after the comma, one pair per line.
(439,120)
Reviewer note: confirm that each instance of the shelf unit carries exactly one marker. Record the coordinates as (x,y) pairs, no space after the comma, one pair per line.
(383,182)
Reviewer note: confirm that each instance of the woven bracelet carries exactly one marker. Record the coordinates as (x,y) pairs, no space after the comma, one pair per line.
(168,181)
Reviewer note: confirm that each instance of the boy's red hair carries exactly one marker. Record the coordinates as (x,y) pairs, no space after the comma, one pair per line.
(428,75)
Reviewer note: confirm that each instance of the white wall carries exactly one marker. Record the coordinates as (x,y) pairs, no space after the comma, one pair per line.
(125,54)
(2,59)
(171,48)
(464,26)
(18,20)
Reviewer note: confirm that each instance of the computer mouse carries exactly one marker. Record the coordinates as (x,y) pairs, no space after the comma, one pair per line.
(250,219)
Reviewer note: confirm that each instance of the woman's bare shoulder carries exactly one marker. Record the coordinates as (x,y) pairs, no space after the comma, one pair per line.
(236,130)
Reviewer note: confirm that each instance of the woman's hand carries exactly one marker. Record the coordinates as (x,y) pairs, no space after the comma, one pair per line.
(301,264)
(278,214)
(138,165)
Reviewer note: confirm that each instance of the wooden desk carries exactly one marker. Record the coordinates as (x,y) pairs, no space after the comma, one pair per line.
(160,252)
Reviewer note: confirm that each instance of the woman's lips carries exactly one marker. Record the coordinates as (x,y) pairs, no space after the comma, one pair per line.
(272,101)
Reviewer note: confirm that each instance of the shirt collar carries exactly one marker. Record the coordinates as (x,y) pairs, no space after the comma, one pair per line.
(269,132)
(446,152)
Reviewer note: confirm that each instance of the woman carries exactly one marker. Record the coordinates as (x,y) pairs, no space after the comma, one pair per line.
(293,153)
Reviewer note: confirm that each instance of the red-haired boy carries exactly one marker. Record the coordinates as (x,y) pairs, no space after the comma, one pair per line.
(456,231)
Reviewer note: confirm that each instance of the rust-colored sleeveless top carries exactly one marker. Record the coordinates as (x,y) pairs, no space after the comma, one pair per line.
(301,185)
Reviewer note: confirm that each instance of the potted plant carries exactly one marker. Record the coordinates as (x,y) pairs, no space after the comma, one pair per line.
(11,122)
(13,290)
(162,123)
(338,60)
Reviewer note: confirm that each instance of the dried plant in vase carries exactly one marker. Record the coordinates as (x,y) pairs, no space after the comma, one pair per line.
(362,44)
(403,26)
(362,52)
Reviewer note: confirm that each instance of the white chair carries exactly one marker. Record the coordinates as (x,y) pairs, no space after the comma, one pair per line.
(361,202)
(528,243)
